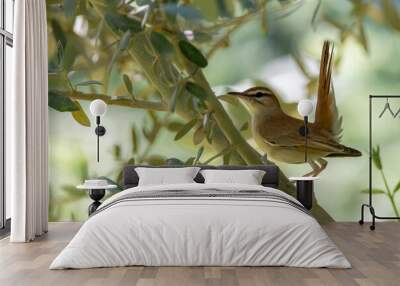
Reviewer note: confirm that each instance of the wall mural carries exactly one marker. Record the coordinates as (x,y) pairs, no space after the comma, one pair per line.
(217,82)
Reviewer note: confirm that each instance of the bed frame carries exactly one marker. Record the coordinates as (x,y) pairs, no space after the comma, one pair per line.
(270,179)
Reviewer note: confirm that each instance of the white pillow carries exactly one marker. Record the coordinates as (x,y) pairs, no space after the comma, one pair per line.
(166,176)
(246,177)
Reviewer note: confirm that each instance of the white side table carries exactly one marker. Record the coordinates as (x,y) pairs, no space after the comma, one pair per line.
(305,189)
(96,193)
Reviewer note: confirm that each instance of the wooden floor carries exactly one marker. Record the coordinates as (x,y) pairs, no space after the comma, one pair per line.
(375,257)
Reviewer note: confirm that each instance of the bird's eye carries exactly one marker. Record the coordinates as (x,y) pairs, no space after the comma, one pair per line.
(259,94)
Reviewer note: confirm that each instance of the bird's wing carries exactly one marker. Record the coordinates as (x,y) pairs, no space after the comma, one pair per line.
(318,144)
(286,134)
(326,115)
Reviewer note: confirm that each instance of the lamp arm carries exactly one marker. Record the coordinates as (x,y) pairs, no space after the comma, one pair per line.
(98,137)
(305,138)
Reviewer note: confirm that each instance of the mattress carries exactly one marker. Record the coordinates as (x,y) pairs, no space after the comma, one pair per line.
(201,225)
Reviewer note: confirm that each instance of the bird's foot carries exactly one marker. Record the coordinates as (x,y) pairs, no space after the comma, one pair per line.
(310,174)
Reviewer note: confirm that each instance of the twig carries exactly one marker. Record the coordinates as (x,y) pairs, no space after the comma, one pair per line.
(220,43)
(158,106)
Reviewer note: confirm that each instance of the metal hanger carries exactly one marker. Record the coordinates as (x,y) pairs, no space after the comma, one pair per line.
(387,107)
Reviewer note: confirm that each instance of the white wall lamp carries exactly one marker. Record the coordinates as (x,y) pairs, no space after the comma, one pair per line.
(305,107)
(98,108)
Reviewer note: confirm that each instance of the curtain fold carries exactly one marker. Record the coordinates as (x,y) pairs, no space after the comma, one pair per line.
(27,122)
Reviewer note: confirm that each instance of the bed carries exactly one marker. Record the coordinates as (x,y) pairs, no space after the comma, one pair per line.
(198,224)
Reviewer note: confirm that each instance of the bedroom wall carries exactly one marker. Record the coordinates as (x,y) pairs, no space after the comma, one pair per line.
(81,49)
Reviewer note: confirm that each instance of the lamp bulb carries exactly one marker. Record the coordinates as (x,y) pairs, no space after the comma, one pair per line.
(305,107)
(98,107)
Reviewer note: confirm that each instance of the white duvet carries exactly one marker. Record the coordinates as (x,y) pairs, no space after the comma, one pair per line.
(200,231)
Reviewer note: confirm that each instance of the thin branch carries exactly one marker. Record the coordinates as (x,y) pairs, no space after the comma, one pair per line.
(234,25)
(221,42)
(152,105)
(234,22)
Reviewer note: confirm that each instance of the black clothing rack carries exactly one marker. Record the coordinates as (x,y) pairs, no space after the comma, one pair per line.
(369,205)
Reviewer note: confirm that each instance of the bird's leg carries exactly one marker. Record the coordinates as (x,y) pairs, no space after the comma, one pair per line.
(323,164)
(315,168)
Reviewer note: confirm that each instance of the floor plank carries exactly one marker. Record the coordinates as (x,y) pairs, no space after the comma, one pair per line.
(375,257)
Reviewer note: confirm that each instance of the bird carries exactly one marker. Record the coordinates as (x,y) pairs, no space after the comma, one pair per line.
(277,133)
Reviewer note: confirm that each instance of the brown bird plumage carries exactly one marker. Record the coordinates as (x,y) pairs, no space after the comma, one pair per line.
(277,133)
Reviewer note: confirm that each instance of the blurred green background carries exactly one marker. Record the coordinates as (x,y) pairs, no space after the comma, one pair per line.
(367,43)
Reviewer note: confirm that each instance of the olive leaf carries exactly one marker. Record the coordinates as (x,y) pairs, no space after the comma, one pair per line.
(161,43)
(192,54)
(210,131)
(198,136)
(226,158)
(88,82)
(174,126)
(223,8)
(155,160)
(121,23)
(189,161)
(123,44)
(196,90)
(173,162)
(374,191)
(177,92)
(80,115)
(60,101)
(185,129)
(128,85)
(149,135)
(198,155)
(134,139)
(396,188)
(315,13)
(376,157)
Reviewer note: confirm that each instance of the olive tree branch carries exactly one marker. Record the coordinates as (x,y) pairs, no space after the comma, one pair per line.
(150,105)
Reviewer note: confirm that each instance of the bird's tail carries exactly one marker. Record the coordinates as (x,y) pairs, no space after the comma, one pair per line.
(347,152)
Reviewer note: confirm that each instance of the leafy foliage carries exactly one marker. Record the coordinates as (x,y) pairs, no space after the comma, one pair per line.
(387,191)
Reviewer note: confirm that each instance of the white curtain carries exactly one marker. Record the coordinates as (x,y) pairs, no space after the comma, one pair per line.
(27,124)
